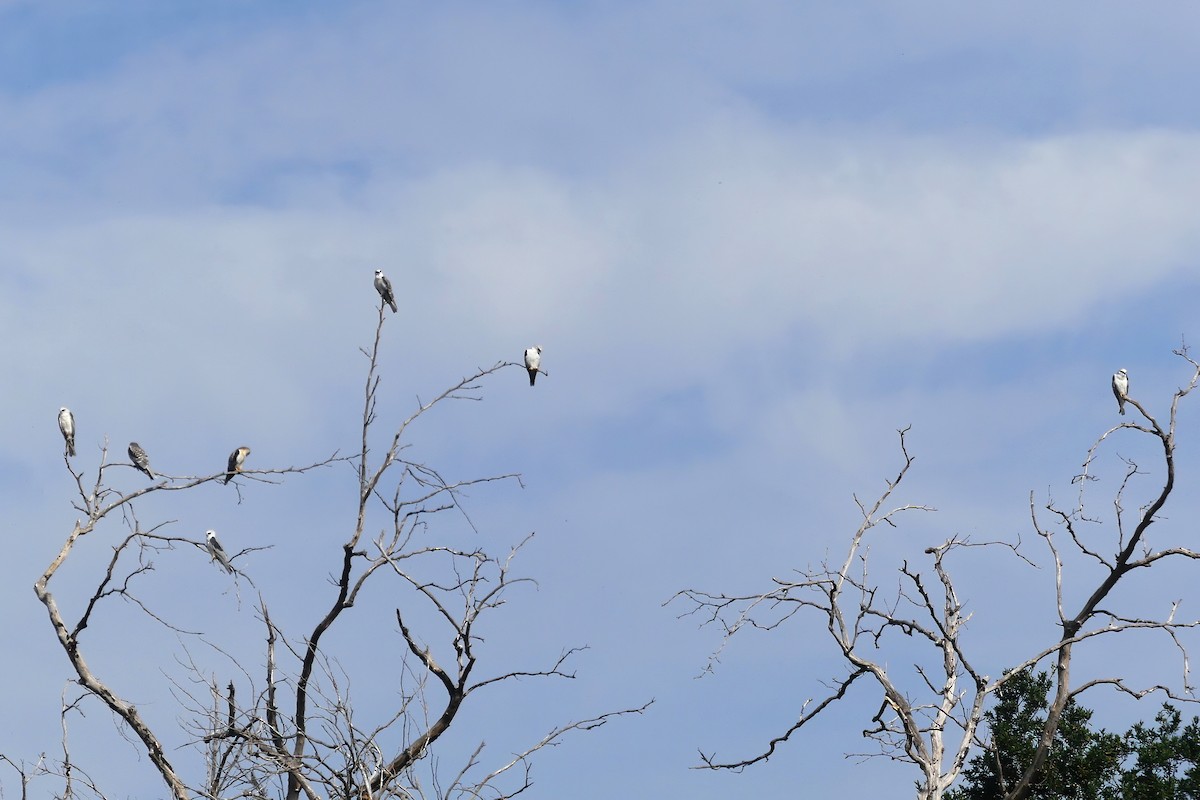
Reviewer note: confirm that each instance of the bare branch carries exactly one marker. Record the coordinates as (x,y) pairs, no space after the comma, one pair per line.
(288,727)
(805,716)
(930,711)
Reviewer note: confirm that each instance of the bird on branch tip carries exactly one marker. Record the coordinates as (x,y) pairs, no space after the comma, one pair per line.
(140,460)
(66,424)
(384,287)
(1120,387)
(216,551)
(236,459)
(533,360)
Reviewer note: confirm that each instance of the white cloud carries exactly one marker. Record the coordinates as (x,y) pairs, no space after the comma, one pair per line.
(747,238)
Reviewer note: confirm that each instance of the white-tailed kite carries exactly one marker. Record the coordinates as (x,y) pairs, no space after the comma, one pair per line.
(216,551)
(1120,386)
(66,424)
(533,360)
(236,459)
(139,458)
(384,287)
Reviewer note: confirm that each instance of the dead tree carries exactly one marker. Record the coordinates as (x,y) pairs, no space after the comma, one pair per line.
(930,716)
(288,726)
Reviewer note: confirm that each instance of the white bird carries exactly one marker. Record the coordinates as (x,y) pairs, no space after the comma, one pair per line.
(139,458)
(66,424)
(236,459)
(533,360)
(384,287)
(216,551)
(1120,386)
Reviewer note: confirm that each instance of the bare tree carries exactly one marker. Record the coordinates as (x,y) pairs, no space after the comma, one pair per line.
(289,727)
(930,716)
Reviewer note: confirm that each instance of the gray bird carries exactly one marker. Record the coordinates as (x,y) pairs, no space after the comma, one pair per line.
(216,551)
(533,360)
(384,287)
(1120,386)
(140,460)
(66,424)
(236,459)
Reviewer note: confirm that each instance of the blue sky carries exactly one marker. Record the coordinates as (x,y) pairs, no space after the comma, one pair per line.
(754,240)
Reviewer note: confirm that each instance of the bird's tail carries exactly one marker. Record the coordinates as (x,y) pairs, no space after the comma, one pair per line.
(1121,410)
(392,303)
(71,447)
(532,376)
(229,475)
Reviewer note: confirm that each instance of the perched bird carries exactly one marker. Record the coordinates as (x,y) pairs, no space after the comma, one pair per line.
(384,287)
(533,360)
(236,459)
(139,458)
(66,424)
(216,551)
(1121,388)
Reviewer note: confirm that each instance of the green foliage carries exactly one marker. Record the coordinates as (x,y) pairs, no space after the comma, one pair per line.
(1082,765)
(1158,762)
(1166,765)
